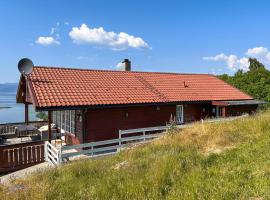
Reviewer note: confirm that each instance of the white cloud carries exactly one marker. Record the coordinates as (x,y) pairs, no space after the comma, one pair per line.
(52,39)
(261,53)
(232,61)
(66,23)
(257,51)
(120,66)
(98,36)
(46,41)
(55,29)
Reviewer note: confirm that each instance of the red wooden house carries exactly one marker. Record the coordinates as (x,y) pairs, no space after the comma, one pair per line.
(93,105)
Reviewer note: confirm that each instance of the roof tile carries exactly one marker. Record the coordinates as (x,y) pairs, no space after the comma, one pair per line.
(76,87)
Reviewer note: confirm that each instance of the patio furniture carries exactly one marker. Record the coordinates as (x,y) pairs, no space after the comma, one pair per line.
(44,132)
(25,131)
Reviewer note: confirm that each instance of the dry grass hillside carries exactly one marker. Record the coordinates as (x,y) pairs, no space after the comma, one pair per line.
(227,160)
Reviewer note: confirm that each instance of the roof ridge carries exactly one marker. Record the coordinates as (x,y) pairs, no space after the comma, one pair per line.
(108,70)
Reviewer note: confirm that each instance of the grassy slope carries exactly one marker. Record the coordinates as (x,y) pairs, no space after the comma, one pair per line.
(229,160)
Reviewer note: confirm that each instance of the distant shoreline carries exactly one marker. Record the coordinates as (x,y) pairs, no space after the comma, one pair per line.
(5,107)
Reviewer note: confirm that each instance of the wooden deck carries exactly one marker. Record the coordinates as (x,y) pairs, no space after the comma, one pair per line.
(19,156)
(9,128)
(18,153)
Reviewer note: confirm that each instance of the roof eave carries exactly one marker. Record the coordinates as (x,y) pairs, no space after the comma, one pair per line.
(81,107)
(237,102)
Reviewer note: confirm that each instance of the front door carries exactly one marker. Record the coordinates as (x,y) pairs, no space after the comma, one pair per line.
(179,114)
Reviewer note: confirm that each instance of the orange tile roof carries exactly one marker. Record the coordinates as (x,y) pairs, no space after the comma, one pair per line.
(78,87)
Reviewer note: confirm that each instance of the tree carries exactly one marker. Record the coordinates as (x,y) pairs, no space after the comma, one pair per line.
(42,115)
(254,64)
(255,82)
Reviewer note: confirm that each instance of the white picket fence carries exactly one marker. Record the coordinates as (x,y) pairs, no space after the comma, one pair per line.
(93,149)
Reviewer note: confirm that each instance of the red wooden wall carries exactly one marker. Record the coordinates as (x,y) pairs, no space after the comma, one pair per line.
(195,112)
(102,124)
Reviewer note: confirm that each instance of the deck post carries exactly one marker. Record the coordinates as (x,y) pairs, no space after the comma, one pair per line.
(92,149)
(143,135)
(45,151)
(120,141)
(59,159)
(49,125)
(26,113)
(224,111)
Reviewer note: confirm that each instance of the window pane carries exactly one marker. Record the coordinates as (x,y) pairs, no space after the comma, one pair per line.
(54,116)
(58,117)
(63,120)
(72,122)
(67,114)
(179,113)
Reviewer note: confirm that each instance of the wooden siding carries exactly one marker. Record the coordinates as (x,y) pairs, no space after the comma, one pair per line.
(195,112)
(103,124)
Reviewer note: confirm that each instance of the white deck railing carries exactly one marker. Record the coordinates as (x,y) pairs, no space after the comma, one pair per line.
(114,145)
(91,149)
(126,137)
(142,135)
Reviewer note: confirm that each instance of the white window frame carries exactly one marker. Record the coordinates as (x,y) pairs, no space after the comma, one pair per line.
(179,114)
(65,120)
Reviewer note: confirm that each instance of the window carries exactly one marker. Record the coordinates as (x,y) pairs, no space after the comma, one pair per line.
(218,111)
(65,120)
(58,119)
(179,114)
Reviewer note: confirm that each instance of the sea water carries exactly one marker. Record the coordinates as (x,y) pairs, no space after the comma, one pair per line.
(11,112)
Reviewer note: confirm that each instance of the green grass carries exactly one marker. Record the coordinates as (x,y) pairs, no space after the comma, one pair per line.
(228,160)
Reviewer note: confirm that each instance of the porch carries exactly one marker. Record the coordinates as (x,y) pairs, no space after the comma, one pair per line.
(9,133)
(20,145)
(19,152)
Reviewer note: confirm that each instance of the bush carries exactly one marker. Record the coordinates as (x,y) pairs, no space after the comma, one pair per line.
(42,115)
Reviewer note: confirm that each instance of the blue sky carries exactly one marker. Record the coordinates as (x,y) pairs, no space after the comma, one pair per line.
(188,36)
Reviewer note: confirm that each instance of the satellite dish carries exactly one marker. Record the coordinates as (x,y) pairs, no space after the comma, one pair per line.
(25,66)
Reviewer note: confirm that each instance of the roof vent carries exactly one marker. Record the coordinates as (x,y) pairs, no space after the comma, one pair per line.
(126,65)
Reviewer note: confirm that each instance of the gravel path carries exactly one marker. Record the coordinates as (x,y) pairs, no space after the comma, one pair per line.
(6,179)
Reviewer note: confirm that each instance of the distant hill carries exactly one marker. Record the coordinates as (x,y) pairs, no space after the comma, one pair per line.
(8,88)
